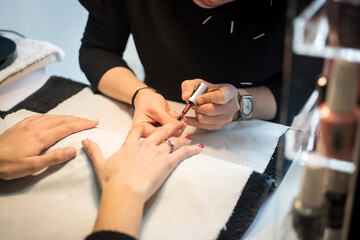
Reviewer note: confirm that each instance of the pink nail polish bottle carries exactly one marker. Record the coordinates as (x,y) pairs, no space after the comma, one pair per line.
(339,112)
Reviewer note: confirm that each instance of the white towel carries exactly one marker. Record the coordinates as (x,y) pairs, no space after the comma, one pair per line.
(32,55)
(195,202)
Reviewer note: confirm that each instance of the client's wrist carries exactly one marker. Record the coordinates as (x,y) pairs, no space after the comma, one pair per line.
(119,186)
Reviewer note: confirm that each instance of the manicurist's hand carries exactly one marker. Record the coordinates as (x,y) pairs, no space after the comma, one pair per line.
(21,145)
(134,173)
(152,110)
(215,108)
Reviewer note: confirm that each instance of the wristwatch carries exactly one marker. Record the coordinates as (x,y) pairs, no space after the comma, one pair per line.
(246,104)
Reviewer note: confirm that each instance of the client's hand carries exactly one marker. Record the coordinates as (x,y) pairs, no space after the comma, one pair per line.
(133,174)
(152,110)
(21,145)
(215,108)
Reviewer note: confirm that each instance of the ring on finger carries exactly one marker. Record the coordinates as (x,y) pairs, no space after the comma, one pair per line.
(170,143)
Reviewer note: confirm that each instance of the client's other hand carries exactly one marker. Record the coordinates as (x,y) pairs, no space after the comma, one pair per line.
(21,146)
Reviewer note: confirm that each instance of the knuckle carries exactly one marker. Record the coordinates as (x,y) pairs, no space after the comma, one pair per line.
(221,97)
(34,166)
(208,109)
(184,83)
(236,107)
(187,151)
(200,118)
(146,143)
(215,127)
(229,119)
(29,128)
(170,164)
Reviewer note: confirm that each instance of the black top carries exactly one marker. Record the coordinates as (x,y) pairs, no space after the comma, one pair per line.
(241,42)
(109,235)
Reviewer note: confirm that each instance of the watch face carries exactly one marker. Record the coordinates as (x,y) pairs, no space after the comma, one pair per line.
(247,107)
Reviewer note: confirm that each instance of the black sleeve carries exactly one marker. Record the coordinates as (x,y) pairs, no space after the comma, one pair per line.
(274,83)
(109,235)
(104,40)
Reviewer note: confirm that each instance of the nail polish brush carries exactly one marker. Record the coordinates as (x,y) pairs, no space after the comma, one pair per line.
(199,90)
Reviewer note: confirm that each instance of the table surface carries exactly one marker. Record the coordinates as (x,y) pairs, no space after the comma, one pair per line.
(271,218)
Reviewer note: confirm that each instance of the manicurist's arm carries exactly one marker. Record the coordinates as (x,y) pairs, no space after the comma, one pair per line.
(101,59)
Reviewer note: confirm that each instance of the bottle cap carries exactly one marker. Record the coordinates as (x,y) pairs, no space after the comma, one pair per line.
(341,95)
(199,90)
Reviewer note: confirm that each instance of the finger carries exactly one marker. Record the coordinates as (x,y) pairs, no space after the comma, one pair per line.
(177,142)
(95,154)
(173,114)
(47,121)
(220,96)
(148,129)
(188,87)
(165,131)
(163,116)
(57,133)
(185,152)
(37,163)
(135,133)
(178,132)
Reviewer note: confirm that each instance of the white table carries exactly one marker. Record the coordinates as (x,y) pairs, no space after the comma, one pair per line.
(270,219)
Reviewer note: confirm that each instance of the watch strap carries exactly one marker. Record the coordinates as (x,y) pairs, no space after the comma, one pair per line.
(242,92)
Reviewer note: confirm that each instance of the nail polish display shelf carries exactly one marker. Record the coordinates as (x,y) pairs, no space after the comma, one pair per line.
(301,139)
(311,35)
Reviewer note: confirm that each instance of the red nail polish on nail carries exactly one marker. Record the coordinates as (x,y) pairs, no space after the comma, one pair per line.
(188,137)
(201,145)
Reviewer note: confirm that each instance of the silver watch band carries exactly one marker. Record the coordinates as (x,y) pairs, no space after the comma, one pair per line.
(242,92)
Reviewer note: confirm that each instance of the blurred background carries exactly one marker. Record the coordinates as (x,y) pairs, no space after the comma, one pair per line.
(61,23)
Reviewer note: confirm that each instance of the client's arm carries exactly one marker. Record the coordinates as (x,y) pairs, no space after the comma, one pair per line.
(134,173)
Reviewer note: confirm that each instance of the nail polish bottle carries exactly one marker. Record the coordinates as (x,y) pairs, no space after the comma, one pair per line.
(336,184)
(309,208)
(338,122)
(339,115)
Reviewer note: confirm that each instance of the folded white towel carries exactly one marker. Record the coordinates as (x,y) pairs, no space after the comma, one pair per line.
(31,56)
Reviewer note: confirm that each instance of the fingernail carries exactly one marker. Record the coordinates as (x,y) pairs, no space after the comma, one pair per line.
(95,120)
(70,152)
(199,100)
(85,143)
(188,137)
(201,145)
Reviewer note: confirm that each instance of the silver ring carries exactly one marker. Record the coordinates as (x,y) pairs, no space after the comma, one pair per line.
(170,143)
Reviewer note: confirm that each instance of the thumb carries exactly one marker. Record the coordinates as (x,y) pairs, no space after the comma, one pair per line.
(37,163)
(173,114)
(188,87)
